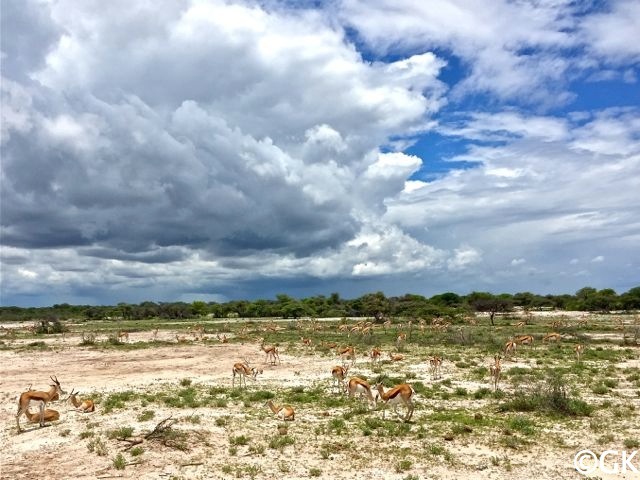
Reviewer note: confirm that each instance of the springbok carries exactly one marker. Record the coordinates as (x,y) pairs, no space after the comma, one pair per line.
(435,363)
(399,394)
(361,387)
(38,398)
(49,416)
(271,352)
(285,412)
(339,374)
(85,405)
(243,370)
(495,371)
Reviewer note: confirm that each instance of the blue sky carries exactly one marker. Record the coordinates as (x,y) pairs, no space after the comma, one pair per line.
(222,150)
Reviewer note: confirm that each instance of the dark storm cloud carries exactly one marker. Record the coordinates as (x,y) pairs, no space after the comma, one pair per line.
(28,34)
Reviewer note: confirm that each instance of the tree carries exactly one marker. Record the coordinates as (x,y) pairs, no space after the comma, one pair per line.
(487,302)
(199,308)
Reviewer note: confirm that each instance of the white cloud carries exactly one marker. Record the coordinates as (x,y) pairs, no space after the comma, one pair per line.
(598,259)
(464,257)
(608,34)
(209,142)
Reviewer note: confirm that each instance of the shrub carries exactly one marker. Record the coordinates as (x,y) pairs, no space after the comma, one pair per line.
(119,462)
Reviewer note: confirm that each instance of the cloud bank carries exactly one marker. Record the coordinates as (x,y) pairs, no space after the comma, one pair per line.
(224,148)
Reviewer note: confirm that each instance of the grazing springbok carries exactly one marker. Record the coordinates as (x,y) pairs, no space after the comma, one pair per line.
(399,394)
(361,387)
(348,353)
(495,371)
(85,405)
(38,398)
(339,375)
(510,348)
(524,340)
(552,337)
(243,370)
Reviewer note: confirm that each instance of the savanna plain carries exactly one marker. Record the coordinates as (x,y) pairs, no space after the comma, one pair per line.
(167,405)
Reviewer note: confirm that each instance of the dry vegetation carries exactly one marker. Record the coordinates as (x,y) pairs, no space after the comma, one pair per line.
(165,407)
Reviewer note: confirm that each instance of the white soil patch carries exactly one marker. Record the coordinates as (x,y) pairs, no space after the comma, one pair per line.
(57,451)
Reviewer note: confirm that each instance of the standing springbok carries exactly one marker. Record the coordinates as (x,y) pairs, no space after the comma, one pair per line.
(361,387)
(339,374)
(495,370)
(435,363)
(243,370)
(375,355)
(38,398)
(579,349)
(399,394)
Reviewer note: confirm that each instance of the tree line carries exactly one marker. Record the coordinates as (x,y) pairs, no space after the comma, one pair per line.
(371,305)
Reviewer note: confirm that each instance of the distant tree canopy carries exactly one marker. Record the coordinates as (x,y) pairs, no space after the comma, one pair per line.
(369,305)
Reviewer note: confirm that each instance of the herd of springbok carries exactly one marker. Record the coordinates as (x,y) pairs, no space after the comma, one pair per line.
(401,394)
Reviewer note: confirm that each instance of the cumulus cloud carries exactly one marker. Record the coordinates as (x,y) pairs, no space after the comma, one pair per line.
(163,153)
(207,140)
(533,193)
(515,51)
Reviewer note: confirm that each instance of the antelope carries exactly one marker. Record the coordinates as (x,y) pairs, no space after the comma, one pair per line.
(348,353)
(181,339)
(399,394)
(271,352)
(223,338)
(579,349)
(286,412)
(495,370)
(49,416)
(361,387)
(552,337)
(435,363)
(520,324)
(85,405)
(155,334)
(510,348)
(339,374)
(386,324)
(396,357)
(375,355)
(329,345)
(305,341)
(524,340)
(197,331)
(422,324)
(402,338)
(39,398)
(243,370)
(122,334)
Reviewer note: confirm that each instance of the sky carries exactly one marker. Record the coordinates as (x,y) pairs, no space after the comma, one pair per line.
(223,150)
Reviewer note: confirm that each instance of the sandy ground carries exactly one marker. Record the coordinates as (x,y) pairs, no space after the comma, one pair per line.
(57,452)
